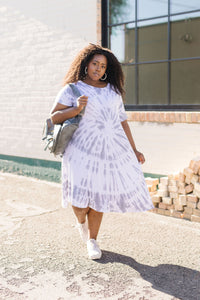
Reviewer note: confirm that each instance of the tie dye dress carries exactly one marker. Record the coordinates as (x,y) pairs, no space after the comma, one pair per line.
(99,168)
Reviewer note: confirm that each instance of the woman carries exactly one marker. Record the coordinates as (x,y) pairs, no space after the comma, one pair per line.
(101,169)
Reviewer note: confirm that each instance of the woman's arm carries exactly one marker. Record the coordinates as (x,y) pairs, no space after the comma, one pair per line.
(127,130)
(61,113)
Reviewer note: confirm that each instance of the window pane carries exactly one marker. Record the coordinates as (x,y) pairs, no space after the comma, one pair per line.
(129,43)
(121,11)
(153,83)
(185,87)
(117,41)
(129,72)
(152,41)
(152,8)
(184,5)
(185,38)
(122,41)
(117,37)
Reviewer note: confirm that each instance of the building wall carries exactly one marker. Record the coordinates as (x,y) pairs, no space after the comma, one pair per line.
(169,140)
(38,42)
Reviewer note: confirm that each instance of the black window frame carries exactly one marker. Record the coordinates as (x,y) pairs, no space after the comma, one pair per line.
(149,107)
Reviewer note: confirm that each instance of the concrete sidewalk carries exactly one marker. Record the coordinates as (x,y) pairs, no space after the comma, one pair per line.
(145,256)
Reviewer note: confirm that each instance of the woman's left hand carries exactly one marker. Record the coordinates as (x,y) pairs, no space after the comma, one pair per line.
(139,156)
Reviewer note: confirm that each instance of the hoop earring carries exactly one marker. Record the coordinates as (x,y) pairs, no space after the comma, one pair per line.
(104,77)
(85,70)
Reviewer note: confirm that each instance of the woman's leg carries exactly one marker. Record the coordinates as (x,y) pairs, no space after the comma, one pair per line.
(80,213)
(94,222)
(89,232)
(82,225)
(94,219)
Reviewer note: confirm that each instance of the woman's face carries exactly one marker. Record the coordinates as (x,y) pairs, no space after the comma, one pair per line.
(97,67)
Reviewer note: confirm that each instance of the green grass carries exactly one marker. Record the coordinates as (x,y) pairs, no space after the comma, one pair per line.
(41,172)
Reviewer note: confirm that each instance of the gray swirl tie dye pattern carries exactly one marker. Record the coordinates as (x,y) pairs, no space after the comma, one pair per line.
(99,167)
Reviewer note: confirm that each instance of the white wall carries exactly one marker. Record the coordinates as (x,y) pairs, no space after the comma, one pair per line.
(77,17)
(39,39)
(168,147)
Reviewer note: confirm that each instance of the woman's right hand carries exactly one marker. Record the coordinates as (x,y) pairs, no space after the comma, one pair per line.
(82,102)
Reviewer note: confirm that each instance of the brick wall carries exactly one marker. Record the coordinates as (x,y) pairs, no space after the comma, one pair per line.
(164,117)
(38,41)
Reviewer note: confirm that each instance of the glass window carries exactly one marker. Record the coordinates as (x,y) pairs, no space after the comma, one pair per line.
(152,41)
(121,11)
(153,83)
(122,41)
(185,38)
(186,16)
(142,46)
(129,72)
(117,41)
(178,6)
(130,43)
(152,8)
(185,87)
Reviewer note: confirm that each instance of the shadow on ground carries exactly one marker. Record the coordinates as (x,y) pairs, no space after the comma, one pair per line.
(180,282)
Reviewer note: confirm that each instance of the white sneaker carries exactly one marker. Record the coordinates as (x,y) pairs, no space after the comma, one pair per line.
(93,249)
(83,230)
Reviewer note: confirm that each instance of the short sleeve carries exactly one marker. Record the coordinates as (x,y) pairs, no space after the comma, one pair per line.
(122,112)
(65,96)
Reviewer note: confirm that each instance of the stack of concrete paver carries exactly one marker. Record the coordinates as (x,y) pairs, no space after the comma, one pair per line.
(152,184)
(178,195)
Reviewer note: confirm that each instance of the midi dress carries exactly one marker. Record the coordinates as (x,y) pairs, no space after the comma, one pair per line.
(99,167)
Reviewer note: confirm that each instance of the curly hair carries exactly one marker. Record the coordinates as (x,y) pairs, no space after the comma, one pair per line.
(114,71)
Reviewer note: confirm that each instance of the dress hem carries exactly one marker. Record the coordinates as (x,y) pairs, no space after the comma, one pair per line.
(110,210)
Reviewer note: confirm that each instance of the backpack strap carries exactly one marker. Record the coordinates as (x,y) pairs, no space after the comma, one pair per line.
(76,93)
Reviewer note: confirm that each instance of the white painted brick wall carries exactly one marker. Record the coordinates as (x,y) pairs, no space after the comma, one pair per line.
(38,42)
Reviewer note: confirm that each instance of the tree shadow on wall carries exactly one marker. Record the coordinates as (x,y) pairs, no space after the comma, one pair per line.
(180,282)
